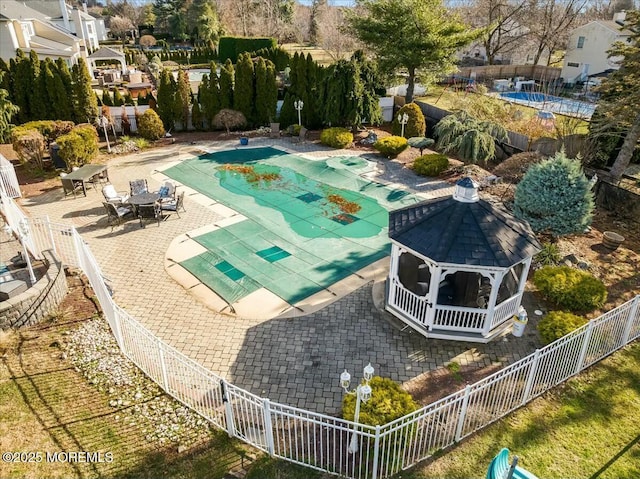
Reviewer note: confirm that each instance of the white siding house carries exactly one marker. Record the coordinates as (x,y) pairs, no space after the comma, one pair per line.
(27,29)
(587,48)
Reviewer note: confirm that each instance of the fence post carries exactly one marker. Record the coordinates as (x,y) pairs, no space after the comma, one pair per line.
(632,316)
(585,346)
(50,230)
(77,241)
(532,374)
(268,430)
(117,330)
(228,409)
(163,367)
(463,412)
(376,453)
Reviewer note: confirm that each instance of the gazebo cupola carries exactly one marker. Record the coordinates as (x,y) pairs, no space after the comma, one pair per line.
(458,266)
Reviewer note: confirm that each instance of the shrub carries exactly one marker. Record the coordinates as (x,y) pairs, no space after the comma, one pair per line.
(150,125)
(229,119)
(548,255)
(557,324)
(513,168)
(294,130)
(336,137)
(391,146)
(570,288)
(79,146)
(29,145)
(416,125)
(555,196)
(50,129)
(388,402)
(430,165)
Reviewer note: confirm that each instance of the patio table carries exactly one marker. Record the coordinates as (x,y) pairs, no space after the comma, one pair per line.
(86,174)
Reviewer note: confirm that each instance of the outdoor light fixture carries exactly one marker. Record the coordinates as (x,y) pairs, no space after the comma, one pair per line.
(298,105)
(403,119)
(362,393)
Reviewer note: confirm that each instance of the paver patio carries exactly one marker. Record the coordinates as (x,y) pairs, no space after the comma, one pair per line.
(295,360)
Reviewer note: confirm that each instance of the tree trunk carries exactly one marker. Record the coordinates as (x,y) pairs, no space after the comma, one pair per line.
(626,152)
(411,81)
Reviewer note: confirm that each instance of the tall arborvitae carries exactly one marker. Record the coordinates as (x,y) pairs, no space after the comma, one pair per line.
(370,104)
(183,98)
(263,113)
(65,76)
(40,102)
(118,100)
(288,115)
(343,95)
(227,75)
(214,89)
(167,99)
(244,90)
(271,92)
(310,95)
(203,99)
(196,115)
(106,97)
(7,111)
(85,105)
(58,106)
(22,85)
(293,75)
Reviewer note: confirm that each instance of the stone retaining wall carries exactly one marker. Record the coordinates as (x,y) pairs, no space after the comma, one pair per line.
(37,302)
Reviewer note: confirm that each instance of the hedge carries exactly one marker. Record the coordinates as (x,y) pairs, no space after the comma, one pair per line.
(232,47)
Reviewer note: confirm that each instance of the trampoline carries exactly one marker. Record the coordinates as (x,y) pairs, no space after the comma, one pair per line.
(310,223)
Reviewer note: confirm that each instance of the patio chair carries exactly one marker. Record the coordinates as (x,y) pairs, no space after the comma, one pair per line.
(153,211)
(116,213)
(275,130)
(175,205)
(501,469)
(138,187)
(301,138)
(167,192)
(70,186)
(112,196)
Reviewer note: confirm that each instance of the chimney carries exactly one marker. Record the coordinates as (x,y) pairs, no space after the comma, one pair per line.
(620,17)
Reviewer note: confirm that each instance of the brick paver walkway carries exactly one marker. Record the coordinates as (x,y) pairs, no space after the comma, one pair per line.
(297,360)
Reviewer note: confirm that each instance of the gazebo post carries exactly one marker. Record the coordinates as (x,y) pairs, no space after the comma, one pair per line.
(496,280)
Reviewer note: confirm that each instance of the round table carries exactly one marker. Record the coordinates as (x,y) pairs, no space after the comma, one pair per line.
(144,199)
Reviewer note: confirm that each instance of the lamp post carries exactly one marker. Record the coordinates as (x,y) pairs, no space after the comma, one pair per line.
(298,105)
(362,393)
(403,119)
(103,121)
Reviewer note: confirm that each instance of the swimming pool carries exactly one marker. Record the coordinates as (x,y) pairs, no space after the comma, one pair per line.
(309,223)
(556,104)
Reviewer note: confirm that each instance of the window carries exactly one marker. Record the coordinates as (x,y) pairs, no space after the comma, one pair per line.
(580,42)
(573,64)
(27,30)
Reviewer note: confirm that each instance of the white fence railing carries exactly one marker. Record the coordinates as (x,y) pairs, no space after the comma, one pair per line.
(8,180)
(319,441)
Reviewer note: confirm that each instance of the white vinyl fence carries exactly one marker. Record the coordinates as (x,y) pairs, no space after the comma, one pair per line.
(319,441)
(8,181)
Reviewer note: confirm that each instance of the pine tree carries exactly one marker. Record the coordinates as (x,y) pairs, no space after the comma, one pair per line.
(555,196)
(7,111)
(118,100)
(106,97)
(85,106)
(227,74)
(166,99)
(58,100)
(244,90)
(183,98)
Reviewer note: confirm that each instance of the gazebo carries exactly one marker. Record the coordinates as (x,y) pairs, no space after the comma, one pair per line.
(458,266)
(106,53)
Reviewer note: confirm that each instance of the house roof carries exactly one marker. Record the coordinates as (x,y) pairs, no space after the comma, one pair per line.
(13,10)
(450,231)
(609,24)
(106,53)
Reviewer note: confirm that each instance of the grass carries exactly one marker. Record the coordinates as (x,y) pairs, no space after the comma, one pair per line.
(47,406)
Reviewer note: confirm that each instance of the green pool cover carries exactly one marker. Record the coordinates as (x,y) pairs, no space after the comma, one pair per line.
(310,223)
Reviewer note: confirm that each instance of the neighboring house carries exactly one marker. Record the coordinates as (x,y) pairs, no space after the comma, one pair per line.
(587,48)
(27,29)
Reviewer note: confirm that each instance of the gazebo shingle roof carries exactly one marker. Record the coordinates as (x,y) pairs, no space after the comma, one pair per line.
(450,231)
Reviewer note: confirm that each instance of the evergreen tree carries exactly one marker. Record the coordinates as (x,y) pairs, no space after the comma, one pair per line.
(288,114)
(203,99)
(65,76)
(271,93)
(85,106)
(196,116)
(23,85)
(227,75)
(118,100)
(293,75)
(183,98)
(128,99)
(371,111)
(167,91)
(555,196)
(265,111)
(40,103)
(244,90)
(59,108)
(344,93)
(7,111)
(310,115)
(106,97)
